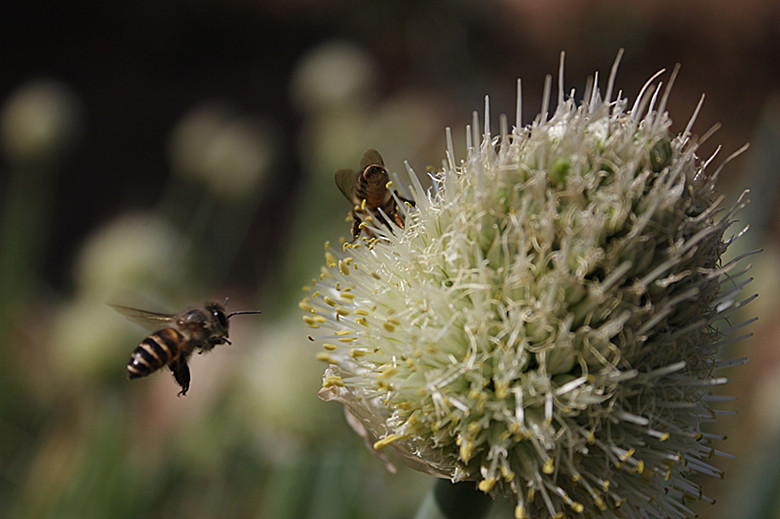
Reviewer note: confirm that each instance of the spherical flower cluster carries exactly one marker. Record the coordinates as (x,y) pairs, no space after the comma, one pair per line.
(39,121)
(546,322)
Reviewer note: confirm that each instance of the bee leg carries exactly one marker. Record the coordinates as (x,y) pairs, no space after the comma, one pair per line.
(181,372)
(356,221)
(219,340)
(398,220)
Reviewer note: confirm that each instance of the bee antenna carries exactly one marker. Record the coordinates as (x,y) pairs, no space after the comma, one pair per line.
(244,313)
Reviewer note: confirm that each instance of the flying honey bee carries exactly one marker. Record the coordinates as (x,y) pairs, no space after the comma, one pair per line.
(368,189)
(177,336)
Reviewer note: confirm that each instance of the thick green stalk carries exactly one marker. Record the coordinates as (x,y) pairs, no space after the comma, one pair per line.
(454,501)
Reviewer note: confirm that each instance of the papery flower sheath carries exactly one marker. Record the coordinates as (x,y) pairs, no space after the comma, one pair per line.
(546,323)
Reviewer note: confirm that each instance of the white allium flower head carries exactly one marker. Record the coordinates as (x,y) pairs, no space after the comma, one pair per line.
(547,321)
(230,155)
(39,121)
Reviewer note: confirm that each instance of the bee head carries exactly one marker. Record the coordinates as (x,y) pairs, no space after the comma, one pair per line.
(375,174)
(217,321)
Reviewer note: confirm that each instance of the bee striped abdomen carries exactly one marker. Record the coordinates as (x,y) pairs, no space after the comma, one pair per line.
(372,186)
(154,352)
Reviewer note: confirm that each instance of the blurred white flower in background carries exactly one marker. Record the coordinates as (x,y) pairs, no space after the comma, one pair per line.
(229,154)
(547,322)
(39,121)
(277,379)
(86,348)
(332,76)
(136,252)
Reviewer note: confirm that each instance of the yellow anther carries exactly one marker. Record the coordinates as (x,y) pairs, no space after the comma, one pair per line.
(507,473)
(343,268)
(486,485)
(329,347)
(385,386)
(332,381)
(388,371)
(628,454)
(466,451)
(501,389)
(324,357)
(330,301)
(387,440)
(549,466)
(310,321)
(362,312)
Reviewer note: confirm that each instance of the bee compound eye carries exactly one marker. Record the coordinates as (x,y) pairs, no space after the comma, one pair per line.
(219,315)
(374,171)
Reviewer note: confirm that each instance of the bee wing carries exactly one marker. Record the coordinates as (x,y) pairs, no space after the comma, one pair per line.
(371,157)
(345,180)
(151,320)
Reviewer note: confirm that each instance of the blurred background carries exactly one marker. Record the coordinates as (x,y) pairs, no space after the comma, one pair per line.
(160,154)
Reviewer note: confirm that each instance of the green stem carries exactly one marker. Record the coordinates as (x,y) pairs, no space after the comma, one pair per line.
(24,230)
(454,500)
